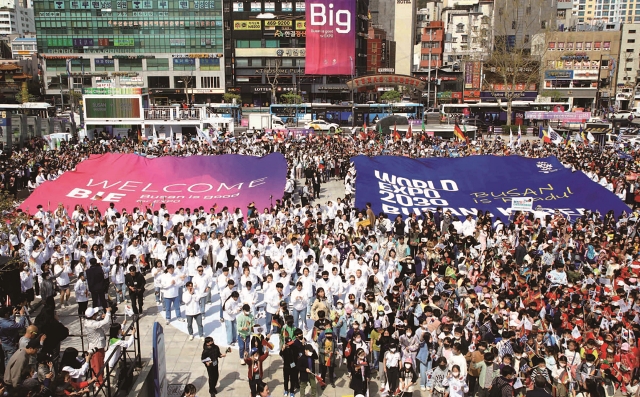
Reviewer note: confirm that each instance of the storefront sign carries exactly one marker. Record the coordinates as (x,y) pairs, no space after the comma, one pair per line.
(301,25)
(247,25)
(386,79)
(558,74)
(277,22)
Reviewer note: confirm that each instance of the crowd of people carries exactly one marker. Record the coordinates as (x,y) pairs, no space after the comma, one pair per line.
(540,303)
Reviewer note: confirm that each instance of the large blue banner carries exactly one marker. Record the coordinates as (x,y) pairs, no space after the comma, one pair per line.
(400,185)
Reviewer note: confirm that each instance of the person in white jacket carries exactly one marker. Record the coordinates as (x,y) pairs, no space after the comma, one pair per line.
(231,307)
(456,383)
(81,290)
(157,273)
(300,301)
(249,296)
(170,285)
(202,285)
(117,278)
(192,309)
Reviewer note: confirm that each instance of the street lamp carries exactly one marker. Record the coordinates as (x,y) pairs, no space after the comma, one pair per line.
(353,106)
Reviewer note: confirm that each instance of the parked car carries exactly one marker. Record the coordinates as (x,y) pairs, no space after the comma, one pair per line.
(321,125)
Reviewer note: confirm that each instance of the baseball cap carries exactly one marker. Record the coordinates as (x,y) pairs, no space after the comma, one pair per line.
(90,312)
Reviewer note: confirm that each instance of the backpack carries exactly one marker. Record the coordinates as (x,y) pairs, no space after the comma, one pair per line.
(497,391)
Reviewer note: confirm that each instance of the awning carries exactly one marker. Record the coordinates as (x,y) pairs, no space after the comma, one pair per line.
(598,130)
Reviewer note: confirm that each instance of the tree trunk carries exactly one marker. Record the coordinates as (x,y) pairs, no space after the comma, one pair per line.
(509,104)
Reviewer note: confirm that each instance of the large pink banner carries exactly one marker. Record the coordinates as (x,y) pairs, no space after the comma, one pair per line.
(129,181)
(331,37)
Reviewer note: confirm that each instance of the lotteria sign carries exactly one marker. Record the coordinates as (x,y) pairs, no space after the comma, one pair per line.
(331,39)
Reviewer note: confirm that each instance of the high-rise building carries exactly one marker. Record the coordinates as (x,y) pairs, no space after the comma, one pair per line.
(173,47)
(265,50)
(381,52)
(16,18)
(598,12)
(404,35)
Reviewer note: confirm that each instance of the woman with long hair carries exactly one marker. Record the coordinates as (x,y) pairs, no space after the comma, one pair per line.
(210,355)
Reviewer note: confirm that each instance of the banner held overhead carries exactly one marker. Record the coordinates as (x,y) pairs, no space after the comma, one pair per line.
(402,186)
(331,37)
(129,181)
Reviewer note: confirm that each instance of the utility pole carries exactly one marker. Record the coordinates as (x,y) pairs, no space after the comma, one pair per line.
(353,105)
(429,71)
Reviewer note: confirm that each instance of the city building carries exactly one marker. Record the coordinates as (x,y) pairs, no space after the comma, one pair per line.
(404,16)
(383,16)
(431,45)
(15,19)
(627,93)
(467,27)
(265,47)
(381,52)
(598,12)
(580,67)
(24,47)
(172,48)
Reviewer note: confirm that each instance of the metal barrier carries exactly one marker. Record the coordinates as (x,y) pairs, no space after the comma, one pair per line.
(129,360)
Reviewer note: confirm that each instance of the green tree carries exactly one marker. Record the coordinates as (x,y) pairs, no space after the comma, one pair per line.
(23,96)
(228,97)
(291,98)
(391,96)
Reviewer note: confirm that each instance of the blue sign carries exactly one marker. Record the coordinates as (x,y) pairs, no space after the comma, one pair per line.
(159,365)
(104,62)
(402,186)
(558,74)
(184,61)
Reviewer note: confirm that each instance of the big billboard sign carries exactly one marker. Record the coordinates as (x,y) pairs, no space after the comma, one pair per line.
(331,37)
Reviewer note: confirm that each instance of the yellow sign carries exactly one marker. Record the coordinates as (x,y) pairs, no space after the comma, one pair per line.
(276,22)
(247,25)
(301,25)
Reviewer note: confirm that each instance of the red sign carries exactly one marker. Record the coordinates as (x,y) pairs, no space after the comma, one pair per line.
(386,79)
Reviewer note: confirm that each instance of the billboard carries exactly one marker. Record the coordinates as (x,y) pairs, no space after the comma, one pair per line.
(112,108)
(331,37)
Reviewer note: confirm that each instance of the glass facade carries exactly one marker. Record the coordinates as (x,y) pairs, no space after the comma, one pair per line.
(129,26)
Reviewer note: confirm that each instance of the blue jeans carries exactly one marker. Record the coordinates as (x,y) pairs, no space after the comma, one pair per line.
(157,293)
(198,318)
(120,292)
(176,306)
(300,317)
(9,351)
(424,368)
(376,357)
(202,301)
(269,318)
(232,330)
(244,345)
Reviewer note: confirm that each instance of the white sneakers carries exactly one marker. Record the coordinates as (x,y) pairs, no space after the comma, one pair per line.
(190,337)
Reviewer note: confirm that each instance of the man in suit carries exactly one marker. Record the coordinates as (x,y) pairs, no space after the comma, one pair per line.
(97,283)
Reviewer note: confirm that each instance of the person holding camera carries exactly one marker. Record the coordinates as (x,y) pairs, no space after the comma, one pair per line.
(96,326)
(12,322)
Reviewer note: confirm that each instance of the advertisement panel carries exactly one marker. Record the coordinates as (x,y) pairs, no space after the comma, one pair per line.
(112,108)
(400,185)
(247,25)
(130,180)
(331,37)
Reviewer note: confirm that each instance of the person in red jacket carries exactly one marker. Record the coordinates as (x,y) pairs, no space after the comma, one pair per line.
(254,368)
(72,388)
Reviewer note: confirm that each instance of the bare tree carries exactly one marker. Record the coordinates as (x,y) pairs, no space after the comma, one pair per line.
(272,72)
(511,65)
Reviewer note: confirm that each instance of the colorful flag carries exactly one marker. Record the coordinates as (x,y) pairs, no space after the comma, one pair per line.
(510,138)
(466,136)
(590,136)
(457,132)
(409,133)
(554,136)
(396,136)
(519,137)
(423,126)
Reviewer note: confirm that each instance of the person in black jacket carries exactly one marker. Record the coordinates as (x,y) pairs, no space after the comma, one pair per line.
(49,325)
(360,373)
(135,282)
(290,352)
(210,355)
(307,368)
(96,284)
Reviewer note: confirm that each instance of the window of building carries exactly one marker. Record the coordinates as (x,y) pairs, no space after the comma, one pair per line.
(158,64)
(158,81)
(287,62)
(465,38)
(210,82)
(631,40)
(130,64)
(242,62)
(460,28)
(632,31)
(579,46)
(628,69)
(272,43)
(514,24)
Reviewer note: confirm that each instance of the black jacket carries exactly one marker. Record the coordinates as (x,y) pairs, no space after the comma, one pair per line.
(305,362)
(95,279)
(135,281)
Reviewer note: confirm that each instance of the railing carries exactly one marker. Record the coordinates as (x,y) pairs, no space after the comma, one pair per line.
(171,113)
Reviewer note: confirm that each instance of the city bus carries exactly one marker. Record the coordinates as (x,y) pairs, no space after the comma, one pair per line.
(493,113)
(292,114)
(42,109)
(225,110)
